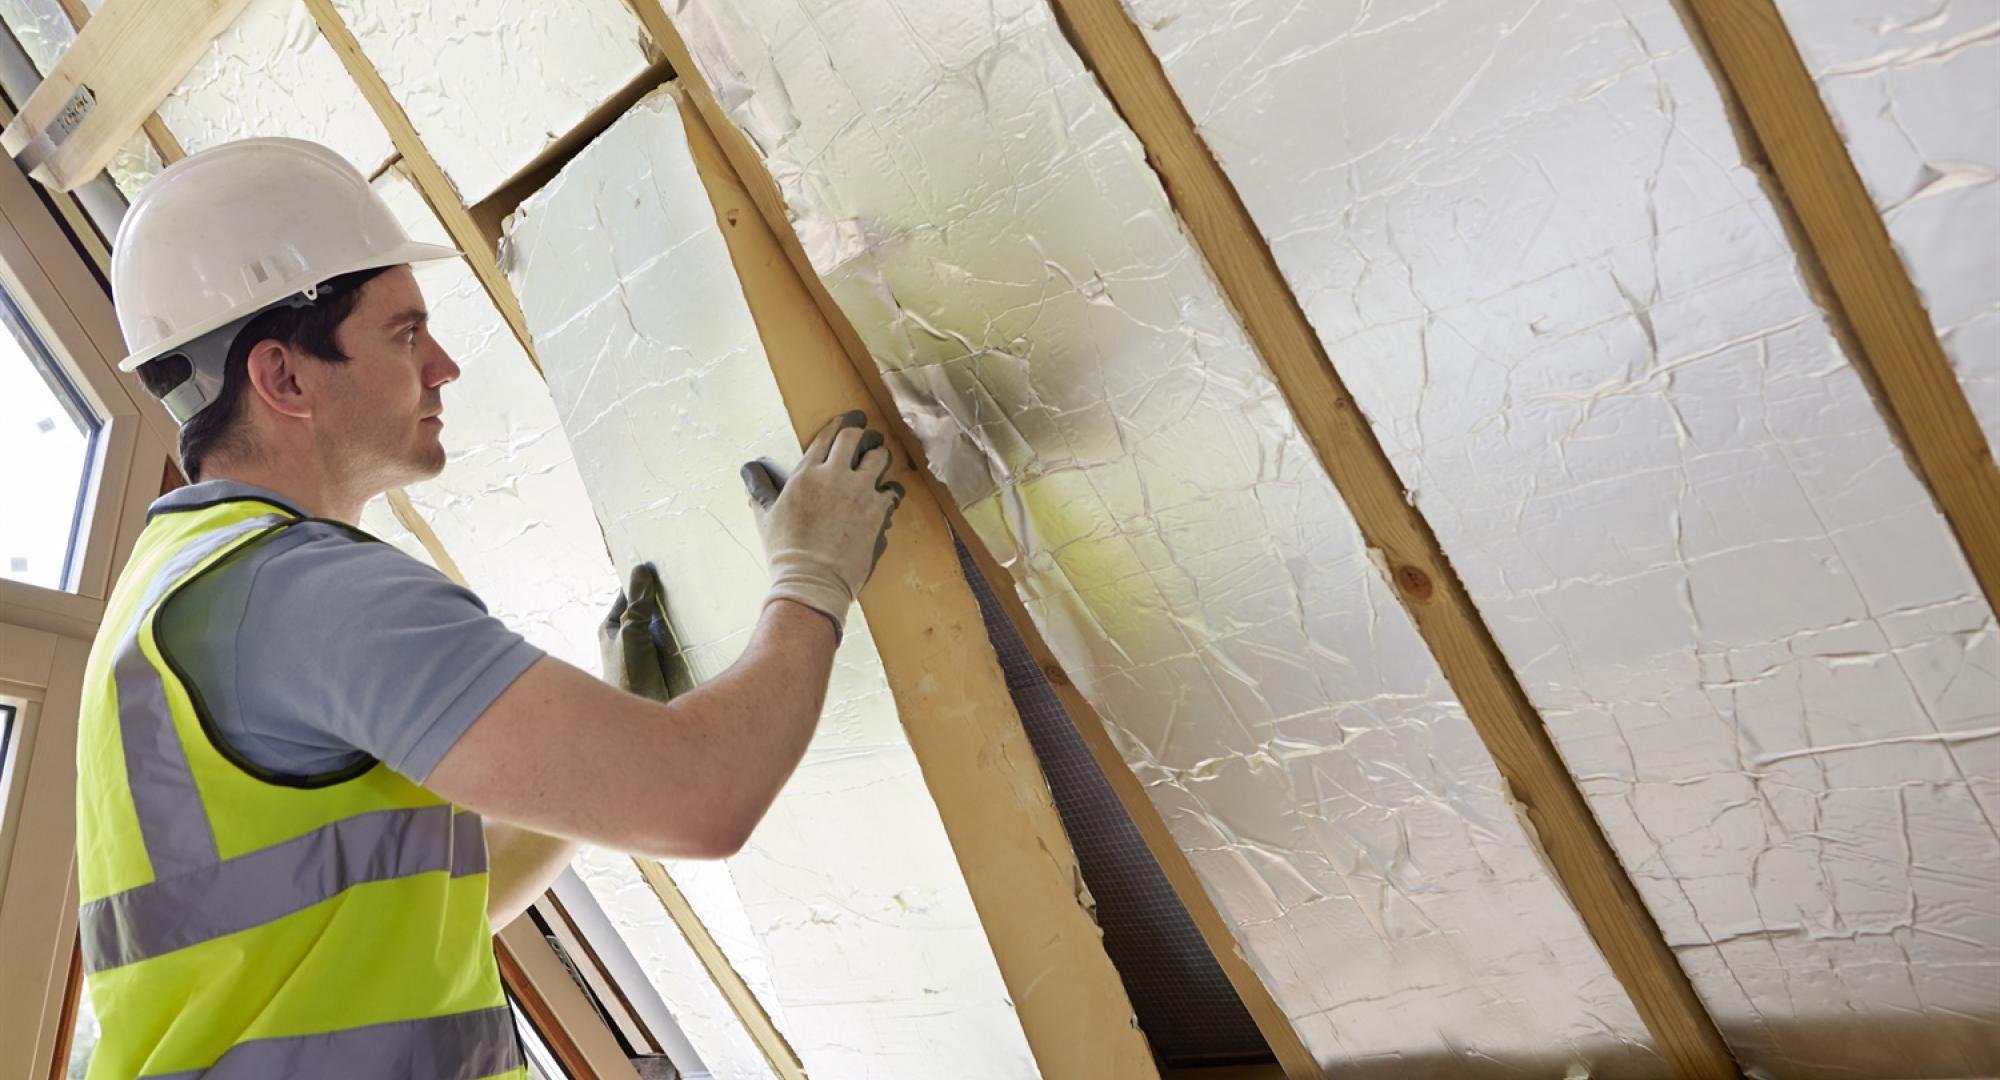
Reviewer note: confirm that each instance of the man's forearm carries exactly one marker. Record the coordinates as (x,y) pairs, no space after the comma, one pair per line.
(522,864)
(766,706)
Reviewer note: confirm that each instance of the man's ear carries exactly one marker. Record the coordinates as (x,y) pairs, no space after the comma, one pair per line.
(275,371)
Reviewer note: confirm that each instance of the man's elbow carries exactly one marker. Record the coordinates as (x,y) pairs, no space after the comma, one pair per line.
(722,845)
(718,838)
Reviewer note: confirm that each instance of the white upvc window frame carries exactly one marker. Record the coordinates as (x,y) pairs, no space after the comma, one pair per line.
(45,634)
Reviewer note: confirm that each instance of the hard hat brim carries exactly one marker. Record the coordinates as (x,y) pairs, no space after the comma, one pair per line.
(408,253)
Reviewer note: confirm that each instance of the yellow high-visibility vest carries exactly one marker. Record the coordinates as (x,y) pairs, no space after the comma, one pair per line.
(236,924)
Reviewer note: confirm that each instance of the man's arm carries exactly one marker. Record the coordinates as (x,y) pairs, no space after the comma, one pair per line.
(562,753)
(521,865)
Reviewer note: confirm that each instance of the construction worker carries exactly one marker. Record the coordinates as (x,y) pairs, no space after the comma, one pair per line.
(313,773)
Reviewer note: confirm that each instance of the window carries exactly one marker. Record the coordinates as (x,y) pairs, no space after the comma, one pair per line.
(47,442)
(542,1063)
(83,1038)
(7,713)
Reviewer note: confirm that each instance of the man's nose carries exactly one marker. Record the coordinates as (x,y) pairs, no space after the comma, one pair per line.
(439,369)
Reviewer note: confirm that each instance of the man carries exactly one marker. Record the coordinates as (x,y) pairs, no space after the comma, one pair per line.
(313,774)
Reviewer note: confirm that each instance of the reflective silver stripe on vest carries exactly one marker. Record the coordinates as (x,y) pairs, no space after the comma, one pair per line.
(269,883)
(172,820)
(462,1046)
(468,846)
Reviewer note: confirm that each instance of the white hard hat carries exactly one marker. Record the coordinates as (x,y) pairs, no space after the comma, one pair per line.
(224,234)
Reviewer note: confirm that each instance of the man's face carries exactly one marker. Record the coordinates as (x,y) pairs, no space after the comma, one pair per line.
(383,406)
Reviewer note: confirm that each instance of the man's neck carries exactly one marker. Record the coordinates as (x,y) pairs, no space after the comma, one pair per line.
(313,495)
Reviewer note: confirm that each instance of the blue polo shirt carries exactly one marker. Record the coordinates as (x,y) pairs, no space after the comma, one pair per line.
(322,647)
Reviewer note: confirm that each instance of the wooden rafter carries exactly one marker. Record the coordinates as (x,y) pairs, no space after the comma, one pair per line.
(1444,613)
(1845,244)
(968,739)
(761,191)
(437,189)
(164,142)
(125,60)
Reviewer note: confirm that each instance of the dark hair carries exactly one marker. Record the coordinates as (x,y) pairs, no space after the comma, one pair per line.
(216,429)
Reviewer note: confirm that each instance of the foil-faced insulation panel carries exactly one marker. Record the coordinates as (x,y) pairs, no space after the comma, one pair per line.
(991,228)
(272,73)
(1527,238)
(489,83)
(846,910)
(42,28)
(510,507)
(1913,86)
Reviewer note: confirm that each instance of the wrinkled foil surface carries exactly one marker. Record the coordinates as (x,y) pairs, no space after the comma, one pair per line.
(489,83)
(977,208)
(845,911)
(1526,236)
(1912,85)
(509,507)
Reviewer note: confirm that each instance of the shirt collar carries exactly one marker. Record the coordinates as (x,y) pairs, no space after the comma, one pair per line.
(210,492)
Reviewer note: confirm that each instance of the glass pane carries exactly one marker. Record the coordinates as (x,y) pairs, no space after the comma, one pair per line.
(542,1063)
(84,1038)
(46,437)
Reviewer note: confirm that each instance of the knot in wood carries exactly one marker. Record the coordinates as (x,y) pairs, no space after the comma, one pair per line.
(1414,583)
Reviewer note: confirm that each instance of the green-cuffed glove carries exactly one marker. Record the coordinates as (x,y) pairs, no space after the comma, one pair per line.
(641,654)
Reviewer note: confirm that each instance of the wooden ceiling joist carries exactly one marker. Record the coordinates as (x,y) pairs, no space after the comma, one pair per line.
(165,143)
(1512,729)
(1845,244)
(968,738)
(759,193)
(126,59)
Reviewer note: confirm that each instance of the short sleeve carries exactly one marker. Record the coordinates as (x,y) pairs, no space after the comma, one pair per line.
(346,641)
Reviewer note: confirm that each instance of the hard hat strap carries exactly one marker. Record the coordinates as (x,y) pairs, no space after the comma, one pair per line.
(207,359)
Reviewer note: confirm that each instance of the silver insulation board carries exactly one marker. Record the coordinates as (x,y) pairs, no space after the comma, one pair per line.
(1914,86)
(1526,236)
(510,507)
(846,912)
(976,207)
(489,83)
(272,73)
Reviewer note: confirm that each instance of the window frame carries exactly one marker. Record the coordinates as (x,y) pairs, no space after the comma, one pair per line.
(65,302)
(45,634)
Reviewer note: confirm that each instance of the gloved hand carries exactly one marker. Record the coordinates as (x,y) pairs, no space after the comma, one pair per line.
(826,526)
(641,654)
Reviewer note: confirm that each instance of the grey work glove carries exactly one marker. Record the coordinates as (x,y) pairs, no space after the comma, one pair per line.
(641,654)
(826,526)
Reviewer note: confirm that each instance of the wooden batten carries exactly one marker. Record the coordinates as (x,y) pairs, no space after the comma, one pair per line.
(960,718)
(1583,860)
(126,59)
(761,193)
